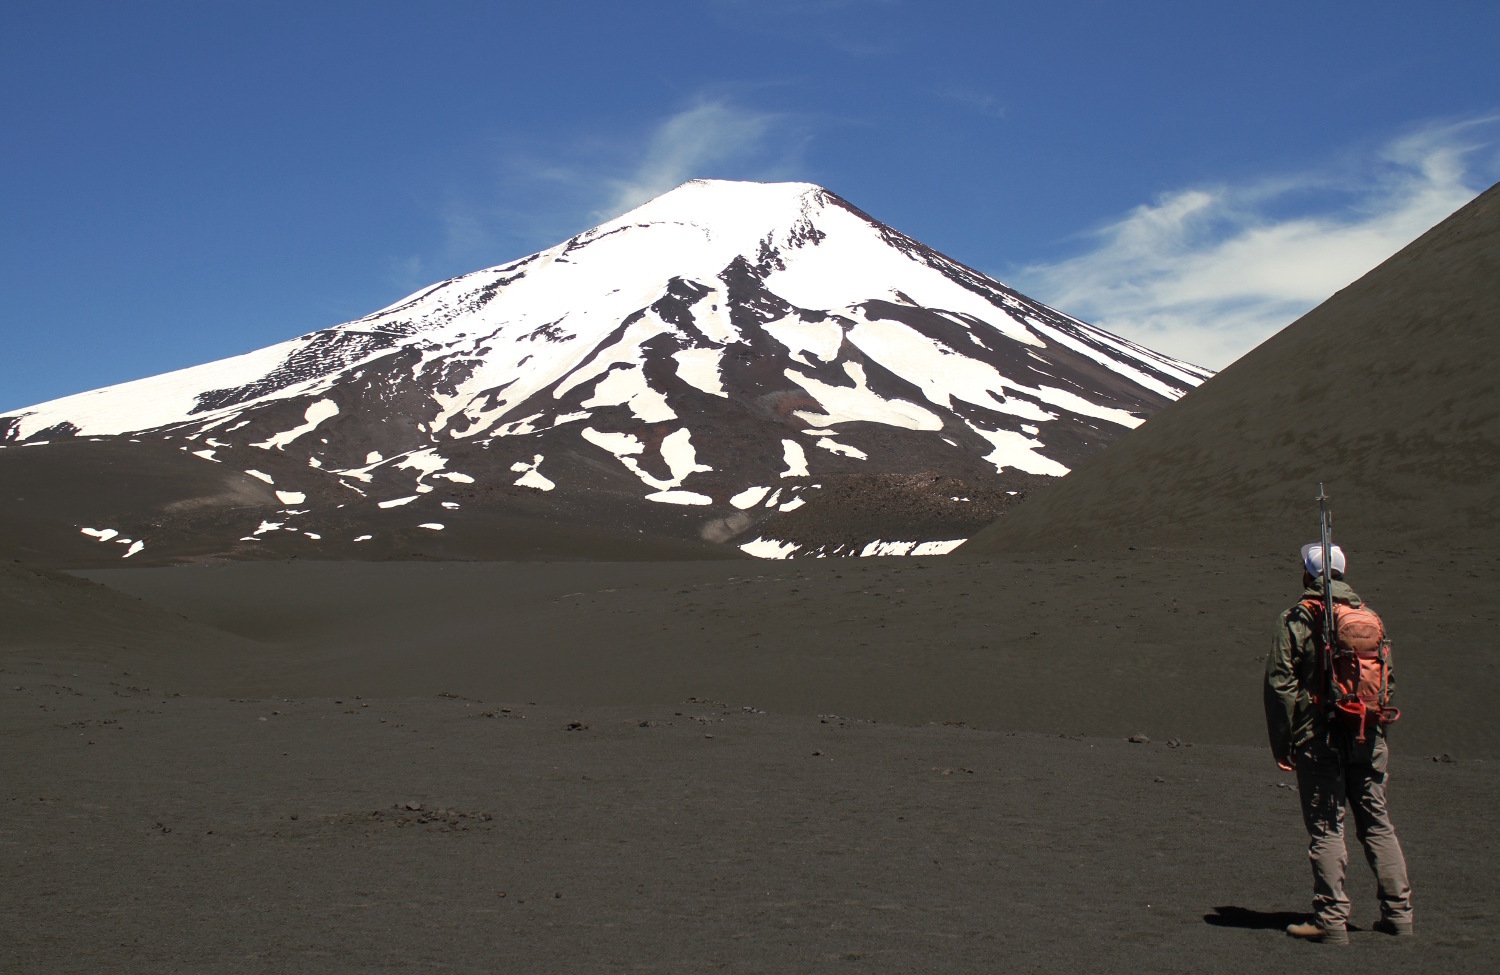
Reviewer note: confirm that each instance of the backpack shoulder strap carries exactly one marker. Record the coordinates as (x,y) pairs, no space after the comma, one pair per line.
(1312,609)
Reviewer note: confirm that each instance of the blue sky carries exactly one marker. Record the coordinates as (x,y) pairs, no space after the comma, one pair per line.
(187,181)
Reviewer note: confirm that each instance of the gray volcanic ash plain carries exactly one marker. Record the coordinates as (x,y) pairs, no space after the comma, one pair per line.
(900,764)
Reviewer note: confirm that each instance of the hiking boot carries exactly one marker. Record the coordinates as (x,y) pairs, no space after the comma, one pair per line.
(1312,931)
(1396,929)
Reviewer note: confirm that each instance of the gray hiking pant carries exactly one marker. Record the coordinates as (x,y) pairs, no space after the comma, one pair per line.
(1328,776)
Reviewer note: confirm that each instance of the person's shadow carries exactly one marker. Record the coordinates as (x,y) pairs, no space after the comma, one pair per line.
(1244,917)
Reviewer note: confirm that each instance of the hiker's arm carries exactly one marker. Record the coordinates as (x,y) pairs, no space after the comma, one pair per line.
(1281,692)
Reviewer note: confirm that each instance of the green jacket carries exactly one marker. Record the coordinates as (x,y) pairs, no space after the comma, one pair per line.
(1292,674)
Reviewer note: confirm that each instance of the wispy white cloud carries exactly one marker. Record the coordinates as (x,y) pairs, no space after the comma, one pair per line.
(407,273)
(849,27)
(798,8)
(545,192)
(1208,273)
(689,144)
(985,104)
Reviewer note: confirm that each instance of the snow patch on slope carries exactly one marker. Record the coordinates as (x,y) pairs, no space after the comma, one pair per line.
(699,368)
(834,447)
(844,404)
(749,498)
(877,548)
(315,414)
(679,497)
(530,477)
(156,401)
(682,460)
(769,548)
(676,450)
(795,459)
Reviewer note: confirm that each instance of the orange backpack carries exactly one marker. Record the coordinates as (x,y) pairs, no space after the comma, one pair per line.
(1360,664)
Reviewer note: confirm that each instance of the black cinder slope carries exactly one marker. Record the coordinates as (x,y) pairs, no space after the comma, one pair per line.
(1386,392)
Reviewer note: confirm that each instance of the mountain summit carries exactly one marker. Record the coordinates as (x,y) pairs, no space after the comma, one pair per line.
(694,369)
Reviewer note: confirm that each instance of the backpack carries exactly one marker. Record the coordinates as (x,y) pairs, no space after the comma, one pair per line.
(1359,692)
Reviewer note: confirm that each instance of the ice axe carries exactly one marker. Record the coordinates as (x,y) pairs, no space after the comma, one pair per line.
(1325,532)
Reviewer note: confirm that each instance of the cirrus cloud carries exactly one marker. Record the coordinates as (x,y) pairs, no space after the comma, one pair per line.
(548,190)
(688,144)
(1207,273)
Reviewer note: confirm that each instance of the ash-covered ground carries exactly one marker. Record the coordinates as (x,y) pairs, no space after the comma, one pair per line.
(886,764)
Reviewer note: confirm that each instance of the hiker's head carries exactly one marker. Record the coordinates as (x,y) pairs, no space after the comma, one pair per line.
(1312,562)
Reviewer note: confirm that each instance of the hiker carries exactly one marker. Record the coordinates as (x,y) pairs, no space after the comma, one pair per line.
(1337,758)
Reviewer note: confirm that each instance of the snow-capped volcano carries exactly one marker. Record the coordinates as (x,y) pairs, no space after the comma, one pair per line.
(692,368)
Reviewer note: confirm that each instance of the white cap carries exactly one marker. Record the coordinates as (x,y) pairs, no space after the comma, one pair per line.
(1312,559)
